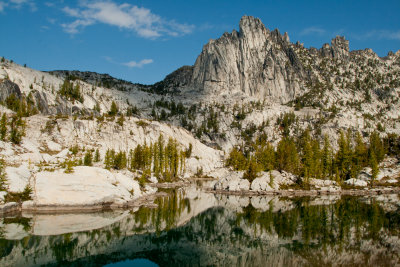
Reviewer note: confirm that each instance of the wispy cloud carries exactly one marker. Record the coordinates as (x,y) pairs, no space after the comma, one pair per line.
(313,31)
(125,16)
(20,3)
(379,34)
(17,4)
(2,6)
(132,63)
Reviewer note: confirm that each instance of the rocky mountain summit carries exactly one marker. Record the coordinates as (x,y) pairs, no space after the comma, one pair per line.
(265,64)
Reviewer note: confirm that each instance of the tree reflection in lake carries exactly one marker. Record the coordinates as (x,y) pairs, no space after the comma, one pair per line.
(200,229)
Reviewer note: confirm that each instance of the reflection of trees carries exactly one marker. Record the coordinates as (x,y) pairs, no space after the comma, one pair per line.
(166,216)
(64,249)
(310,234)
(325,225)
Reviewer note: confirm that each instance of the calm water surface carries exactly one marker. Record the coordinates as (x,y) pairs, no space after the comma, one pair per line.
(194,228)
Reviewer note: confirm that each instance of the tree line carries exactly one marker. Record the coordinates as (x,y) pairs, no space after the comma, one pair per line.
(165,160)
(309,157)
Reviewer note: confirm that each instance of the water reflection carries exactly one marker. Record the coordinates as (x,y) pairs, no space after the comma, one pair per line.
(191,227)
(135,262)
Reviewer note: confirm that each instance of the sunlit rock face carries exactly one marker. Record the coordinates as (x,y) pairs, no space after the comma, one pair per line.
(253,61)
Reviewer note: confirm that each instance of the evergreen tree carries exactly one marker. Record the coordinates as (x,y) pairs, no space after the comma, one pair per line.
(3,127)
(17,129)
(316,166)
(307,156)
(359,156)
(120,160)
(326,158)
(109,158)
(156,160)
(70,91)
(97,156)
(265,156)
(161,153)
(374,168)
(87,161)
(343,157)
(376,147)
(237,160)
(3,175)
(121,120)
(252,170)
(287,157)
(114,109)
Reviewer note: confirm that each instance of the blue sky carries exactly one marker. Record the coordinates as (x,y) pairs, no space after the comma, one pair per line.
(143,41)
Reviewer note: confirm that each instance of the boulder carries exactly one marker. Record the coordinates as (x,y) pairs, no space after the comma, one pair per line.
(233,182)
(8,88)
(261,183)
(84,187)
(356,182)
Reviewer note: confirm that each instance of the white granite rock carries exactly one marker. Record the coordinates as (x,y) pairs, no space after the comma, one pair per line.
(356,182)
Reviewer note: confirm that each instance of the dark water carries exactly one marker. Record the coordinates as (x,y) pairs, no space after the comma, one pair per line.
(192,228)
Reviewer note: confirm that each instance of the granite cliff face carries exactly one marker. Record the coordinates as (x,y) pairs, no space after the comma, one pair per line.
(254,61)
(264,64)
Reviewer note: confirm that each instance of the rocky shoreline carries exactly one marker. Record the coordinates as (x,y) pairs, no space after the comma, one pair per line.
(312,192)
(148,200)
(29,206)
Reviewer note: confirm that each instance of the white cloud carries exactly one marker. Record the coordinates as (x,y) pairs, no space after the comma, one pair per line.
(20,3)
(2,6)
(130,64)
(312,30)
(380,34)
(125,16)
(134,64)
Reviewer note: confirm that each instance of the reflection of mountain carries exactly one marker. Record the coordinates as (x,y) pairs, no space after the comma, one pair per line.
(197,230)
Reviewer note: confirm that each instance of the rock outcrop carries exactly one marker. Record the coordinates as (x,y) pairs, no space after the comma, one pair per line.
(8,88)
(253,61)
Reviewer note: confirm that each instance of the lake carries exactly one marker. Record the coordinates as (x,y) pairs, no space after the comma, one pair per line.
(193,228)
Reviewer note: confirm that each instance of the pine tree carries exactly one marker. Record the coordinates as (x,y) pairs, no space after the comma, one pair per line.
(326,158)
(343,157)
(359,156)
(3,175)
(97,156)
(120,160)
(265,156)
(109,159)
(121,120)
(114,109)
(237,160)
(3,127)
(376,147)
(375,168)
(17,129)
(87,161)
(316,167)
(287,157)
(156,160)
(307,158)
(252,170)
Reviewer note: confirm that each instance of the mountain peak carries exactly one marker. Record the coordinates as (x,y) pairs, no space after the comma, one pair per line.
(250,24)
